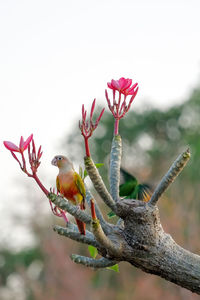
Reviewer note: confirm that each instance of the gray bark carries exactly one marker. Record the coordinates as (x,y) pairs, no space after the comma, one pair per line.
(146,246)
(138,236)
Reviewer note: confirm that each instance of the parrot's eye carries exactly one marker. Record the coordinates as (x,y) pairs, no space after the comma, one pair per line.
(59,158)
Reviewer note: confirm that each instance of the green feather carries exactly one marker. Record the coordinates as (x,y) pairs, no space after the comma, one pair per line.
(131,189)
(127,176)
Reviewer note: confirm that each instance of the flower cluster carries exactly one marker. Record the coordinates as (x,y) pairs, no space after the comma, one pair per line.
(34,157)
(23,145)
(123,86)
(119,107)
(88,126)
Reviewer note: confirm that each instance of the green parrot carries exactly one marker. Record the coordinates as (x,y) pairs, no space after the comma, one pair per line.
(131,189)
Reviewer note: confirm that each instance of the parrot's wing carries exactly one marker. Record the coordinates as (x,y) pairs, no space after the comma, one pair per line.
(141,192)
(127,176)
(81,187)
(145,192)
(129,183)
(127,188)
(58,184)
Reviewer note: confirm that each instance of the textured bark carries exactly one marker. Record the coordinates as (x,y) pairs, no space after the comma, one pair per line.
(138,236)
(141,241)
(115,162)
(146,246)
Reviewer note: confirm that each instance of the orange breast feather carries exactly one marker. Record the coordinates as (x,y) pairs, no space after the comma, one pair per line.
(67,186)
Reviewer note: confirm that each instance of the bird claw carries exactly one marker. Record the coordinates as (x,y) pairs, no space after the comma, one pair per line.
(52,190)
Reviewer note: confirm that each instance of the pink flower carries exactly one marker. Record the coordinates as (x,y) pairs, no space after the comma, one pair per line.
(88,126)
(23,145)
(34,158)
(119,107)
(123,86)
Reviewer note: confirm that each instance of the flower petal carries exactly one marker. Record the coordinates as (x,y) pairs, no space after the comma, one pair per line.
(10,146)
(132,90)
(122,83)
(21,144)
(127,83)
(109,85)
(115,84)
(27,142)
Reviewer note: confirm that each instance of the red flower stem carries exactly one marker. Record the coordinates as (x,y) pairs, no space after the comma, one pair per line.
(116,129)
(93,213)
(118,105)
(24,162)
(15,157)
(51,205)
(64,217)
(87,149)
(40,184)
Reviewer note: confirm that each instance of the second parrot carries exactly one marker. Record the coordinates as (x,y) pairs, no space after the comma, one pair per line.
(131,189)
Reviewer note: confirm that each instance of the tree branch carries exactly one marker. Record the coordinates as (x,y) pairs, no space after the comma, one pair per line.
(113,247)
(76,236)
(115,161)
(70,208)
(91,262)
(149,248)
(98,182)
(89,196)
(170,176)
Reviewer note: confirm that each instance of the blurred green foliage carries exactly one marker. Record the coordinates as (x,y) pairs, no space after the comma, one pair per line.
(11,261)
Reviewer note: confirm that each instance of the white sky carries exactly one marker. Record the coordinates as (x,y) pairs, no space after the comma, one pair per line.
(56,55)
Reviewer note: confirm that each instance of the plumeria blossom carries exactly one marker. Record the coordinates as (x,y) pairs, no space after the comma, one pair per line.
(119,107)
(88,126)
(34,157)
(123,86)
(23,145)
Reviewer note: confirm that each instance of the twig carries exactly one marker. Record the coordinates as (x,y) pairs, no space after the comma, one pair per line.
(170,176)
(76,236)
(98,183)
(103,240)
(91,262)
(70,208)
(89,196)
(115,161)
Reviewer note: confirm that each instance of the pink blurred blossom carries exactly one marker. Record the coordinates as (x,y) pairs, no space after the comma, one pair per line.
(88,126)
(119,107)
(123,86)
(23,145)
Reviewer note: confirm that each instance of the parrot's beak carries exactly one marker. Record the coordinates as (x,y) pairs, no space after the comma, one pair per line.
(54,162)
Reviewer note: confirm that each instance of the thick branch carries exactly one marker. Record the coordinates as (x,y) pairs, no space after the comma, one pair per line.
(149,248)
(138,237)
(143,243)
(170,176)
(98,182)
(76,236)
(70,208)
(91,262)
(115,161)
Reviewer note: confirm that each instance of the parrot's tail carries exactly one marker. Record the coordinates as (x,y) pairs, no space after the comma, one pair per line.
(81,226)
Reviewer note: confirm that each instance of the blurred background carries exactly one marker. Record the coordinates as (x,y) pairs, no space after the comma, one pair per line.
(57,55)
